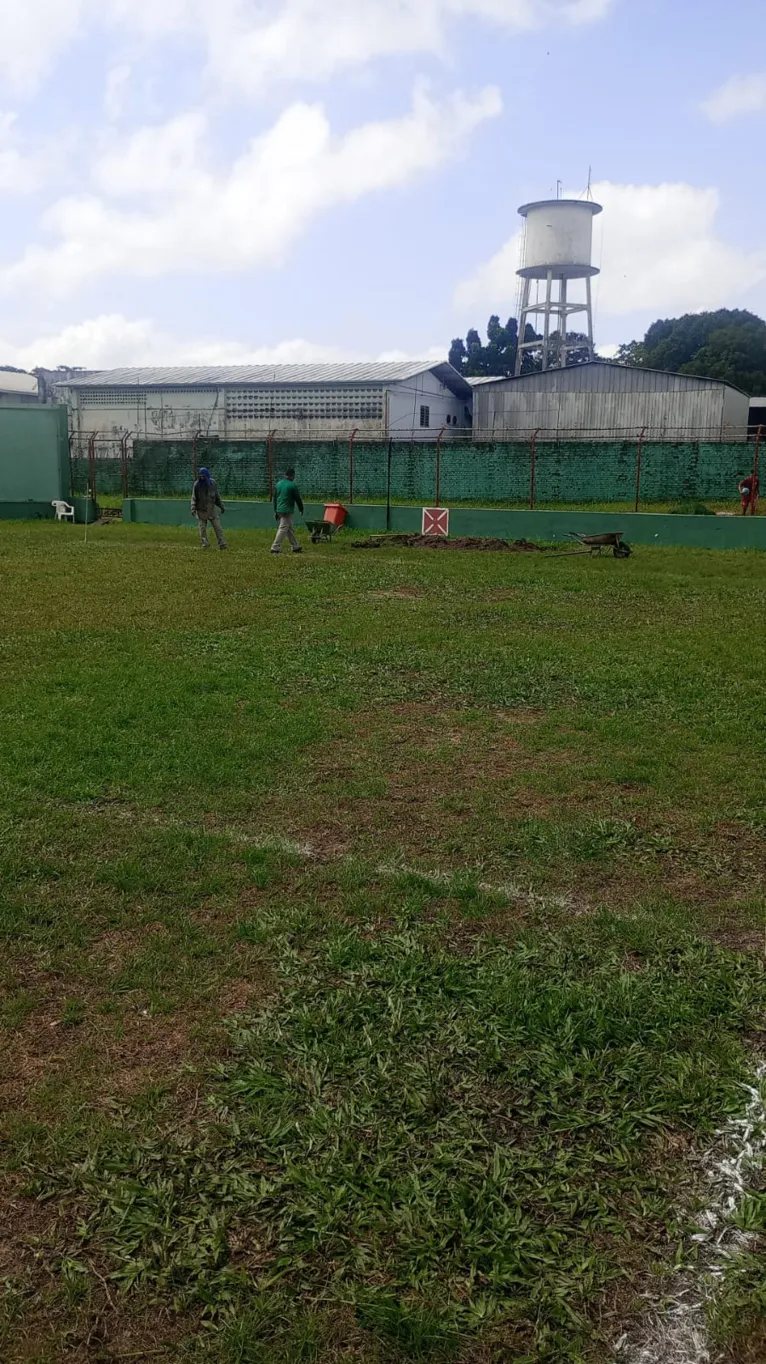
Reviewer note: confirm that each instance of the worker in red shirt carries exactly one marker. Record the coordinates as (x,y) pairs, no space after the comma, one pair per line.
(749,491)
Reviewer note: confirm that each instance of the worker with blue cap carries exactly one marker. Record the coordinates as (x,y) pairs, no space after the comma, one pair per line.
(205,505)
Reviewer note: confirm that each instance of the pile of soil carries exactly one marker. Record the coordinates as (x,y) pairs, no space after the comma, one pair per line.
(441,542)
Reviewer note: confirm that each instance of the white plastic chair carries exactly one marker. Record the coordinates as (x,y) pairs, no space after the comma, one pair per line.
(64,512)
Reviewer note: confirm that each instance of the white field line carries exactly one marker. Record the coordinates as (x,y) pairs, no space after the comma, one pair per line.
(679,1334)
(506,890)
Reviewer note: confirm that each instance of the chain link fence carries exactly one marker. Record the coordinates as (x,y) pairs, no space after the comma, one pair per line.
(485,473)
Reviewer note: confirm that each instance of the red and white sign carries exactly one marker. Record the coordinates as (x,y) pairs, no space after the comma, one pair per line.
(435,521)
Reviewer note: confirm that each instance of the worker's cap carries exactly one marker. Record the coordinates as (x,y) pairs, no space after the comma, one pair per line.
(204,473)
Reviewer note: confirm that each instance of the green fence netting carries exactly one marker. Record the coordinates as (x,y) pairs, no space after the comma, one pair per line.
(484,473)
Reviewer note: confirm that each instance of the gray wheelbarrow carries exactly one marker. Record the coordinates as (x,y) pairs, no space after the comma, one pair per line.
(594,544)
(321,531)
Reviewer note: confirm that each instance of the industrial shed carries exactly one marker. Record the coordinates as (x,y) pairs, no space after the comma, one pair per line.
(404,400)
(607,401)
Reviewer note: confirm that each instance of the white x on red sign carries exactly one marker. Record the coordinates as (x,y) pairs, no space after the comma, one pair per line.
(435,521)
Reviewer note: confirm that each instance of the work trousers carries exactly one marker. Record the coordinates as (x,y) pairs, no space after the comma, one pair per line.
(215,522)
(285,528)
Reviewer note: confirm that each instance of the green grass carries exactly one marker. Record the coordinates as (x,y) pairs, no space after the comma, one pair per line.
(382,937)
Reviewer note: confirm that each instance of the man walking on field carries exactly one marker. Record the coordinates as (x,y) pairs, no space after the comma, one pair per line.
(205,505)
(286,499)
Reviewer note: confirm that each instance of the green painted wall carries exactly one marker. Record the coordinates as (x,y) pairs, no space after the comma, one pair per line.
(26,511)
(706,532)
(34,457)
(571,471)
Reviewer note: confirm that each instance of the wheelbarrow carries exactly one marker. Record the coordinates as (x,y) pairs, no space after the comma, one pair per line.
(593,544)
(321,531)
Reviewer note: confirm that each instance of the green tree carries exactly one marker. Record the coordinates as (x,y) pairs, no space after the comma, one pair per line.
(729,344)
(497,358)
(475,353)
(632,353)
(736,354)
(458,354)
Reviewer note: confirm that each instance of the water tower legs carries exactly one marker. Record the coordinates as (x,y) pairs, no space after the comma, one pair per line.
(547,323)
(523,315)
(589,296)
(554,307)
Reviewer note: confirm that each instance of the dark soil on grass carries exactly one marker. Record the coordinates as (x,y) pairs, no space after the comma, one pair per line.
(442,542)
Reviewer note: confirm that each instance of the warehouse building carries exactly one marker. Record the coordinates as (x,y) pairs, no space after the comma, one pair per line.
(404,400)
(607,401)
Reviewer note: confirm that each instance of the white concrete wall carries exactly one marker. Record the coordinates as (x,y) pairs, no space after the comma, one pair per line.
(425,390)
(168,414)
(159,414)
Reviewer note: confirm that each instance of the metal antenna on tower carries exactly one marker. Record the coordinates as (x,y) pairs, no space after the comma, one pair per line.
(558,246)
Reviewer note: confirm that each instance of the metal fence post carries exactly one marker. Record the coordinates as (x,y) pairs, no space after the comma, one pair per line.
(533,469)
(124,463)
(756,461)
(270,460)
(439,464)
(388,486)
(92,465)
(639,460)
(351,465)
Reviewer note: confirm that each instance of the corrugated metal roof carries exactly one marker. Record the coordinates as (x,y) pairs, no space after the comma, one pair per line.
(186,376)
(583,376)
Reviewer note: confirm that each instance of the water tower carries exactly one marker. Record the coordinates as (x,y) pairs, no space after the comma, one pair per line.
(557,249)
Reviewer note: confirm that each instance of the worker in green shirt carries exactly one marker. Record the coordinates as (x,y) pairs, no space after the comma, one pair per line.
(286,499)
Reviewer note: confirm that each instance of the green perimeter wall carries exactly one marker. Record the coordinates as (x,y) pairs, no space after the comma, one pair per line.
(34,458)
(482,472)
(647,528)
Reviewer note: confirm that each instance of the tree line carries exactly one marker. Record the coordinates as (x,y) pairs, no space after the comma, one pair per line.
(497,358)
(729,344)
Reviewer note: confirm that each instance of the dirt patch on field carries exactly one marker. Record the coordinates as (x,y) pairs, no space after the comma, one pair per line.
(115,1059)
(399,593)
(444,542)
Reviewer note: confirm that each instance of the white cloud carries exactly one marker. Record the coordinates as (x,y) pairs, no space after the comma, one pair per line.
(253,42)
(20,170)
(117,90)
(736,97)
(658,248)
(200,219)
(310,40)
(156,161)
(112,340)
(34,32)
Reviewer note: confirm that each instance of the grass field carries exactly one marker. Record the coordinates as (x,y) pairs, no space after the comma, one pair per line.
(383,942)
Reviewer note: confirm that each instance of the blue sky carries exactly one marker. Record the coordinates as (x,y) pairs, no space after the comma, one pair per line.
(185,181)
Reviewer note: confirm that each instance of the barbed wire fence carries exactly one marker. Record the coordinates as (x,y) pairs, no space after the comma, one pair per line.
(509,467)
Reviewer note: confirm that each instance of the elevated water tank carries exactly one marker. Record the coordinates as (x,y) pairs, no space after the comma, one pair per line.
(559,237)
(558,248)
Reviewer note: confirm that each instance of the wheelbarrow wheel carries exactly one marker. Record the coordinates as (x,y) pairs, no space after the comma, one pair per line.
(622,551)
